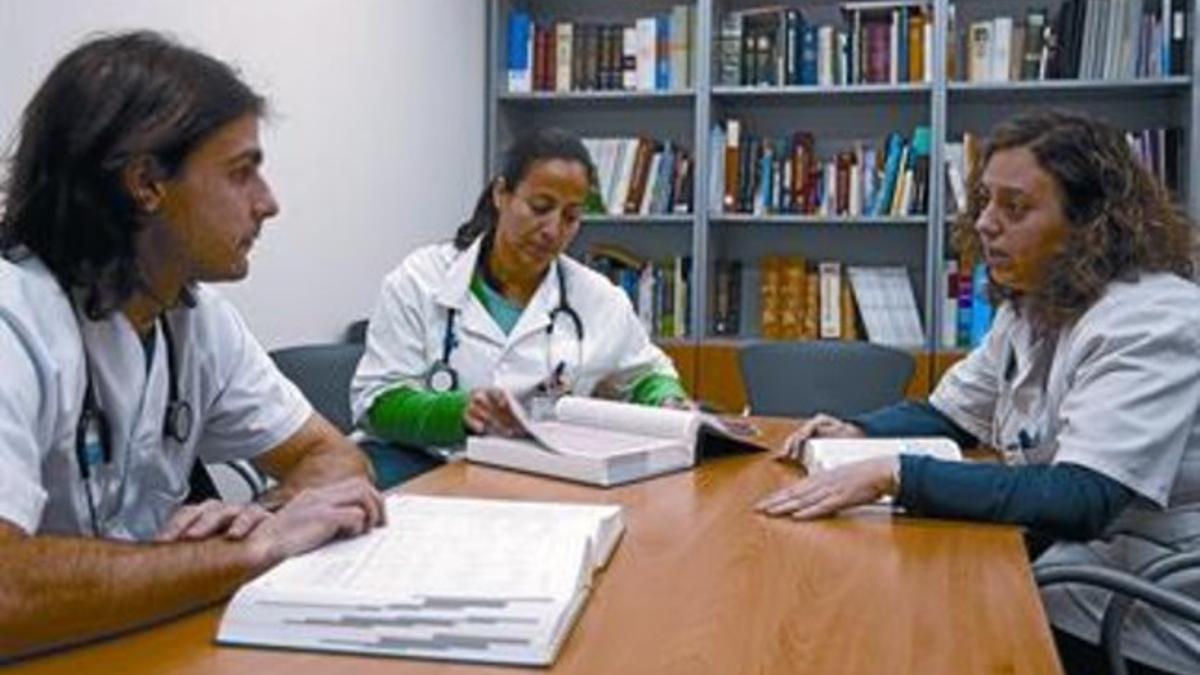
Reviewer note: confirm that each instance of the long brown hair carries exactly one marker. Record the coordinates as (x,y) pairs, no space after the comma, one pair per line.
(1121,220)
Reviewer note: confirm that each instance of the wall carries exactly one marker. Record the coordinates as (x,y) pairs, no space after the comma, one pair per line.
(374,147)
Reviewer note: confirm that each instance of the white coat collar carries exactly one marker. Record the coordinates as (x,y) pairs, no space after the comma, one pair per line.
(455,291)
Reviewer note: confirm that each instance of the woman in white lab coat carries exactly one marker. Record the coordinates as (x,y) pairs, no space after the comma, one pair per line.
(502,307)
(1088,382)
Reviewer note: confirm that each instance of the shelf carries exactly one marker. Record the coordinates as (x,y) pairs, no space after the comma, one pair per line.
(852,92)
(1176,85)
(683,97)
(637,219)
(797,219)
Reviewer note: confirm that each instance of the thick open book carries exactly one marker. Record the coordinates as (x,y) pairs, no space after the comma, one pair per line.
(447,578)
(608,443)
(822,454)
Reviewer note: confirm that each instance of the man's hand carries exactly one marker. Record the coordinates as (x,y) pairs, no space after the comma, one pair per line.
(488,412)
(211,518)
(831,491)
(314,516)
(818,426)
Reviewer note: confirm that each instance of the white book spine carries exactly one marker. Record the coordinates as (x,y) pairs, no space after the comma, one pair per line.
(831,294)
(562,56)
(646,53)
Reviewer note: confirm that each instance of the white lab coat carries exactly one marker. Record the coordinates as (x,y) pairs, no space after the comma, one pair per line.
(1117,392)
(242,406)
(408,325)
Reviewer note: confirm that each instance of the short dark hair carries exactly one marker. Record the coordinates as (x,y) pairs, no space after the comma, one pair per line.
(535,146)
(1121,219)
(112,100)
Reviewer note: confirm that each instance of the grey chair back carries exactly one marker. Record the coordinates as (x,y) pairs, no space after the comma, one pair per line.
(842,378)
(357,331)
(323,373)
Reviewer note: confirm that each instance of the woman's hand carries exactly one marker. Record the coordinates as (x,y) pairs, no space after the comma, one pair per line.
(818,426)
(488,413)
(831,491)
(679,403)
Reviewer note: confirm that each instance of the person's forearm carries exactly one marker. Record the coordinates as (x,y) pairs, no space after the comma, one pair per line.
(655,388)
(316,455)
(1066,501)
(419,417)
(58,591)
(911,418)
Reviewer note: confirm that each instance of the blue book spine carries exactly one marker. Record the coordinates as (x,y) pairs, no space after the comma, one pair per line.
(981,308)
(891,171)
(662,59)
(808,54)
(520,26)
(902,44)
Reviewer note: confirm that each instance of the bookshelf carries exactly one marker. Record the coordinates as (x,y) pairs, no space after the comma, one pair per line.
(945,101)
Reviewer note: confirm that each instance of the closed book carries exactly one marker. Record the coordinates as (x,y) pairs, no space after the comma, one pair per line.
(824,454)
(608,443)
(482,580)
(831,299)
(1035,43)
(979,48)
(564,58)
(1178,31)
(916,47)
(770,290)
(733,161)
(680,47)
(519,38)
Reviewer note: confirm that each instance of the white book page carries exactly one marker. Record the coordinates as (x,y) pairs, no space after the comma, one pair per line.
(627,417)
(434,546)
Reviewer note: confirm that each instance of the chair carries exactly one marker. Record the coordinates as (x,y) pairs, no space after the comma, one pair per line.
(1149,585)
(356,332)
(323,373)
(800,379)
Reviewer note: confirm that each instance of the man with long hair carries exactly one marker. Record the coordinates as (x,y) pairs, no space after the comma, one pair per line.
(135,180)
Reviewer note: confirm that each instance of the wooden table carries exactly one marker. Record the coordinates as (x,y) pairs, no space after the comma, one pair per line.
(702,584)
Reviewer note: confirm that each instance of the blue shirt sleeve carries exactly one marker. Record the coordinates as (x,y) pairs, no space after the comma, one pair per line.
(912,418)
(1065,501)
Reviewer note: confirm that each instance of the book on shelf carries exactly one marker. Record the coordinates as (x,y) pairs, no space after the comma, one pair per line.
(887,305)
(803,301)
(658,290)
(481,580)
(609,443)
(823,454)
(727,297)
(880,43)
(652,53)
(1086,39)
(641,176)
(764,176)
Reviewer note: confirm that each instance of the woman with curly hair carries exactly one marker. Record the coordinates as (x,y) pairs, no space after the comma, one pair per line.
(1088,382)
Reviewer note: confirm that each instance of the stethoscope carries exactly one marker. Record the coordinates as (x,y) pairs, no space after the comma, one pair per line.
(93,433)
(442,377)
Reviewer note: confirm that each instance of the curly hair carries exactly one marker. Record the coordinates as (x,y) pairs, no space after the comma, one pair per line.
(111,101)
(1121,220)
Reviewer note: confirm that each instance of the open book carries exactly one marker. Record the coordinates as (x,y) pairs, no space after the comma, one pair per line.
(822,454)
(608,443)
(446,578)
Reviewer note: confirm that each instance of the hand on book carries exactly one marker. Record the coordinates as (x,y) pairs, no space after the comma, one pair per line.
(317,515)
(211,518)
(488,412)
(817,426)
(828,492)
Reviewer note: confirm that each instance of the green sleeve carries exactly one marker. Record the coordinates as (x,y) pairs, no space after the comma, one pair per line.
(419,417)
(655,388)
